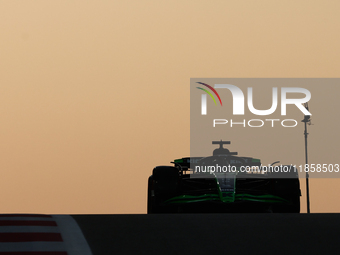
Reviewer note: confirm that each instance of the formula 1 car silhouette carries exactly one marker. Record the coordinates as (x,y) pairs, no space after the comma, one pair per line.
(194,185)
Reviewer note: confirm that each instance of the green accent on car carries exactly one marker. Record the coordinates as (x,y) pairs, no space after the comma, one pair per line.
(215,197)
(222,196)
(225,197)
(190,199)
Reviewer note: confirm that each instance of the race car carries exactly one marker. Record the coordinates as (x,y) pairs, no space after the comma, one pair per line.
(222,183)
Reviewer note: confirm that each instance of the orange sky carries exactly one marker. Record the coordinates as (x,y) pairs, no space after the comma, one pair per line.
(94,94)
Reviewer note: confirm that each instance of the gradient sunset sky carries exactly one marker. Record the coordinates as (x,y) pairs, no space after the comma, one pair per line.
(94,94)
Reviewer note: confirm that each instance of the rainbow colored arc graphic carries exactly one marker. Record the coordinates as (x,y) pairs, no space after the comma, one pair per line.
(207,91)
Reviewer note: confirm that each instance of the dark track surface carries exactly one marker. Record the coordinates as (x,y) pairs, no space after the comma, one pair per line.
(212,233)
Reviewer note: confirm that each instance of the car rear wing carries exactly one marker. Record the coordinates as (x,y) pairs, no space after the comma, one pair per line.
(185,163)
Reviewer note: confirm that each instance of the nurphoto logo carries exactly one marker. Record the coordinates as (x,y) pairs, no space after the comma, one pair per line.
(238,98)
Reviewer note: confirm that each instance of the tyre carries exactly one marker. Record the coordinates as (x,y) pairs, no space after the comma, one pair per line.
(163,185)
(287,186)
(151,204)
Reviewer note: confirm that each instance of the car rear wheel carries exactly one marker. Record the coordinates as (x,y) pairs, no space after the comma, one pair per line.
(151,205)
(287,186)
(163,185)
